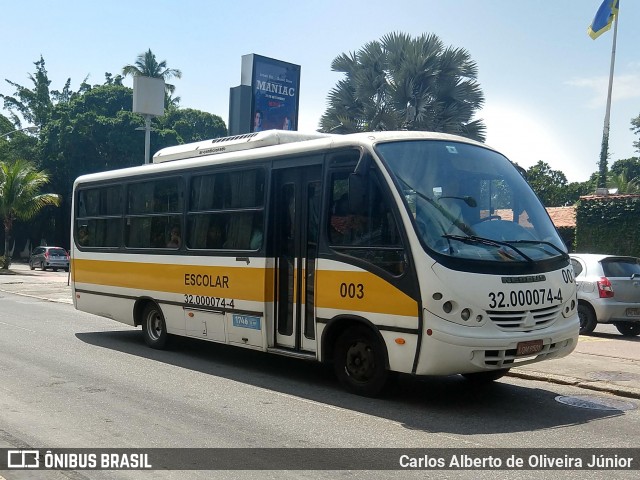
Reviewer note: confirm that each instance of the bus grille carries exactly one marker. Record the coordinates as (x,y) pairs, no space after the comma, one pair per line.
(524,320)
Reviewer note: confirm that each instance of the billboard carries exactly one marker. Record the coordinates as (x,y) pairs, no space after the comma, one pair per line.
(275,87)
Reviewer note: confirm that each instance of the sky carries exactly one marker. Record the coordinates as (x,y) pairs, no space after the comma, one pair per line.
(544,79)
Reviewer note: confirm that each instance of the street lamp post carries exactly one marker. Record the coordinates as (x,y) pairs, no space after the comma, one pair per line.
(31,129)
(147,136)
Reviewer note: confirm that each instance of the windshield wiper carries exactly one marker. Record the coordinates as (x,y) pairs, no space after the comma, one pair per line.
(536,242)
(487,241)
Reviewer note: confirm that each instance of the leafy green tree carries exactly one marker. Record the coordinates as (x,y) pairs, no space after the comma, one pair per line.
(575,190)
(5,126)
(20,197)
(16,143)
(631,167)
(34,105)
(549,185)
(405,83)
(623,182)
(97,131)
(193,125)
(552,188)
(147,65)
(111,80)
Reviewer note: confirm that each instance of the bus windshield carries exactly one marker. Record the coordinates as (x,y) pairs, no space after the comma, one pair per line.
(470,202)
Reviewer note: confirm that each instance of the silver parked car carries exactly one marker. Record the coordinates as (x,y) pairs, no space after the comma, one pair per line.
(608,291)
(49,257)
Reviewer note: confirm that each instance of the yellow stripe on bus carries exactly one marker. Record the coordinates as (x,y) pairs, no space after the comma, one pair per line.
(340,290)
(362,292)
(241,283)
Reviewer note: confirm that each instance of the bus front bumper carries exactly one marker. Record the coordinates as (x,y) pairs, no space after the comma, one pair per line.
(443,353)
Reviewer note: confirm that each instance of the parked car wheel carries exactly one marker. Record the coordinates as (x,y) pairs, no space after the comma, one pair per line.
(588,320)
(629,329)
(42,267)
(31,267)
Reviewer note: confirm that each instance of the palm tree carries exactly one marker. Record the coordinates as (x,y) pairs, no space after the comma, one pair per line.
(20,197)
(623,183)
(146,65)
(404,83)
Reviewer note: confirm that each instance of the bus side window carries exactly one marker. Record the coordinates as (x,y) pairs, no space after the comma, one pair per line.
(372,231)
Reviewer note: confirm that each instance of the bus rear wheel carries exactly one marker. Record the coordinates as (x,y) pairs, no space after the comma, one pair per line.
(154,328)
(360,362)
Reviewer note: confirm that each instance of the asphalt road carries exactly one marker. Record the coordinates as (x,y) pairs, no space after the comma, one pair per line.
(73,380)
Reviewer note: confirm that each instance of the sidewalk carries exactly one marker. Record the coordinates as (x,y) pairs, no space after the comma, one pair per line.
(609,374)
(602,362)
(47,285)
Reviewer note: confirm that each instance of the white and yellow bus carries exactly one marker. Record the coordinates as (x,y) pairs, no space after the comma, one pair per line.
(413,252)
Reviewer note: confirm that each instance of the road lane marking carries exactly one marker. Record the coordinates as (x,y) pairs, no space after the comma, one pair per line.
(593,339)
(17,326)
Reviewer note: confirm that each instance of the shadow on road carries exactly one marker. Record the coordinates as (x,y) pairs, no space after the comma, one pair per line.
(431,404)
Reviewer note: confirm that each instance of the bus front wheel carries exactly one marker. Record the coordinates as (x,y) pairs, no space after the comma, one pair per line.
(154,328)
(360,362)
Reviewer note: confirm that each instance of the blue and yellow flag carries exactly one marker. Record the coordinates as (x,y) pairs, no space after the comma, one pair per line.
(604,18)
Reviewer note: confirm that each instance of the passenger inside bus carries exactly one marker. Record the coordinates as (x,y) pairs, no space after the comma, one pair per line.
(215,236)
(174,240)
(83,236)
(255,241)
(346,227)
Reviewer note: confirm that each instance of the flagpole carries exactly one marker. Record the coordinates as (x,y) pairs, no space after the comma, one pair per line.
(604,153)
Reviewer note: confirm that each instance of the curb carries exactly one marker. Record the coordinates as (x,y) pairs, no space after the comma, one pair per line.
(613,389)
(54,300)
(68,301)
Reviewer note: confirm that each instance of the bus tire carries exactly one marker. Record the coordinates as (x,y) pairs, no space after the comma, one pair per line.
(480,378)
(360,362)
(154,328)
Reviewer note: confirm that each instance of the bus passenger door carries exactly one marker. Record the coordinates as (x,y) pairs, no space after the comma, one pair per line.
(297,200)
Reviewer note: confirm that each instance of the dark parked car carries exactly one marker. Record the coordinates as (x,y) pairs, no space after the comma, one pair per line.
(608,291)
(49,257)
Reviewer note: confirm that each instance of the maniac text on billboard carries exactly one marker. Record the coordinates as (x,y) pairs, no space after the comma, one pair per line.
(275,86)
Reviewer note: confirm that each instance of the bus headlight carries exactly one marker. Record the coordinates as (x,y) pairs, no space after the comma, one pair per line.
(451,311)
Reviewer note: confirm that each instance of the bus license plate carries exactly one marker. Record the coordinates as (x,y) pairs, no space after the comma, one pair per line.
(529,348)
